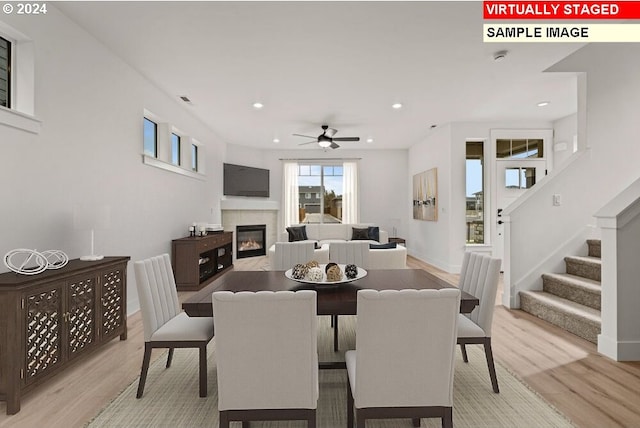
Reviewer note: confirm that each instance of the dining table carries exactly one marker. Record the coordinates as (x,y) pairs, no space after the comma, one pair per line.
(332,299)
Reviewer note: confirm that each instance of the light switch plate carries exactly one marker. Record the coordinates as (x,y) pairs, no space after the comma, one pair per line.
(557,200)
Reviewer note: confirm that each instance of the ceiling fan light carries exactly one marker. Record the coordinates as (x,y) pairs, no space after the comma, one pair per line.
(324,143)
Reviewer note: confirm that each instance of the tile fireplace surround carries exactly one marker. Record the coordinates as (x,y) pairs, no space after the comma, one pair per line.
(242,212)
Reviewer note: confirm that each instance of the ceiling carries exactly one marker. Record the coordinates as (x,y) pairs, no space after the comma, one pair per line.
(336,63)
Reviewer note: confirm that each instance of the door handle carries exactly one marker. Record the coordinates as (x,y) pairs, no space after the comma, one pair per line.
(500,221)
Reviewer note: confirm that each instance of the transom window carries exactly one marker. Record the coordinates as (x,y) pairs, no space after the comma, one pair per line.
(5,73)
(320,191)
(521,148)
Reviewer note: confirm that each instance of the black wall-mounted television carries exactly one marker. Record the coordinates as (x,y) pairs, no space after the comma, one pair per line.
(245,181)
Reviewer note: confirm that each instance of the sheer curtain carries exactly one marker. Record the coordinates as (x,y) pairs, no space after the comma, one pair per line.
(290,193)
(350,206)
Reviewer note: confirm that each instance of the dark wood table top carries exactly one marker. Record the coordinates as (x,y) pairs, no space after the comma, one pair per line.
(332,299)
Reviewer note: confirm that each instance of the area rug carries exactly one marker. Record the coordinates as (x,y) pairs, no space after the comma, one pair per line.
(171,395)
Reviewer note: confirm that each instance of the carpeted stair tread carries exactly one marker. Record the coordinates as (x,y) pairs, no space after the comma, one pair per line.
(584,266)
(578,319)
(595,246)
(576,288)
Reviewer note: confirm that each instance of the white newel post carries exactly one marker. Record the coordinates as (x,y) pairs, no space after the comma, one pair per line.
(619,222)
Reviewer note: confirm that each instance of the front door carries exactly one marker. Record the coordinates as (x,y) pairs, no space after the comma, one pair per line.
(513,179)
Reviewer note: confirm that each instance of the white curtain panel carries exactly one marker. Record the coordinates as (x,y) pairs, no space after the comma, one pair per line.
(290,193)
(350,205)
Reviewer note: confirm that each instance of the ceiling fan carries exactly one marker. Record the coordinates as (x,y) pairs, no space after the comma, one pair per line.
(326,139)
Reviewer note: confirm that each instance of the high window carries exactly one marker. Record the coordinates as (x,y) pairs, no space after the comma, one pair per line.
(5,73)
(175,149)
(320,190)
(194,157)
(150,138)
(475,192)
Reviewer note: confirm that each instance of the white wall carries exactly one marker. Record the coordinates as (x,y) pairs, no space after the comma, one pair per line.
(382,179)
(89,151)
(607,164)
(565,130)
(443,243)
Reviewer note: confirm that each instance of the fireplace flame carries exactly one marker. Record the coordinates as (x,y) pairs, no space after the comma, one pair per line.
(249,245)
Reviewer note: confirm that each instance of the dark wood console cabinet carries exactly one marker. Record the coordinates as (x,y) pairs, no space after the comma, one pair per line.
(54,318)
(199,260)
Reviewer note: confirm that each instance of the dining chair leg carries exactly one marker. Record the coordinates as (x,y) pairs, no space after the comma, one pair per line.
(169,357)
(416,422)
(463,349)
(335,333)
(145,369)
(311,422)
(447,418)
(245,424)
(491,365)
(349,405)
(203,370)
(360,421)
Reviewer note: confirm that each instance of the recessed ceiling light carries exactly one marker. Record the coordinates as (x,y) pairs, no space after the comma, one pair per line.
(276,140)
(258,105)
(369,140)
(396,106)
(544,103)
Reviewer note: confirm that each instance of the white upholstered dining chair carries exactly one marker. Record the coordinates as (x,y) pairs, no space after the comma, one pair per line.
(479,276)
(288,254)
(347,252)
(266,353)
(165,325)
(403,364)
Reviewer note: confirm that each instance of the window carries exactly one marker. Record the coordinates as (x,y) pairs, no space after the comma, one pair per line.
(175,149)
(150,138)
(475,192)
(321,186)
(194,157)
(519,178)
(5,73)
(519,148)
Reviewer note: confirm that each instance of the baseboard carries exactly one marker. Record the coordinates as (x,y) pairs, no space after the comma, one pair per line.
(619,350)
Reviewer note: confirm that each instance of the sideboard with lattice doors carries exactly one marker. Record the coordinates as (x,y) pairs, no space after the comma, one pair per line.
(55,318)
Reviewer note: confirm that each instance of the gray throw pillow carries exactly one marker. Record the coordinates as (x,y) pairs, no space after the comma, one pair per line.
(297,233)
(360,234)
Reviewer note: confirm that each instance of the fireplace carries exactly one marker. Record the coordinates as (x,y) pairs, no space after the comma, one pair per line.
(251,240)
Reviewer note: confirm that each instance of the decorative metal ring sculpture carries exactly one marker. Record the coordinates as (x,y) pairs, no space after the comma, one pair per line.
(20,260)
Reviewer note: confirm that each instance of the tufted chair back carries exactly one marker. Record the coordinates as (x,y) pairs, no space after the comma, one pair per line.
(156,292)
(288,254)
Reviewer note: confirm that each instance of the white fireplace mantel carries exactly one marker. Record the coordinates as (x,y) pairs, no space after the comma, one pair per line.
(256,204)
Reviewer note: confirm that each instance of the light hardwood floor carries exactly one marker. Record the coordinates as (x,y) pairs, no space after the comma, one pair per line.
(590,389)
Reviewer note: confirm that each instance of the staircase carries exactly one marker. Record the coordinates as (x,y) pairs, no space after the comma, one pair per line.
(570,300)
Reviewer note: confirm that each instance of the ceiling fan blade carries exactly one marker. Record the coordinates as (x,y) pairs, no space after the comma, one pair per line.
(308,142)
(346,139)
(330,132)
(300,135)
(334,145)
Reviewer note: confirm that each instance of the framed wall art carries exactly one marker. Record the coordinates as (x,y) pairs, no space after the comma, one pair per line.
(425,195)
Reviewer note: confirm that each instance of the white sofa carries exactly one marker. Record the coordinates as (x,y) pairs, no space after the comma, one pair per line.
(324,234)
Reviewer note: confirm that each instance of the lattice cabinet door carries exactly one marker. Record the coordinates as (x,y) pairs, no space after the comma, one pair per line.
(81,315)
(44,324)
(113,303)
